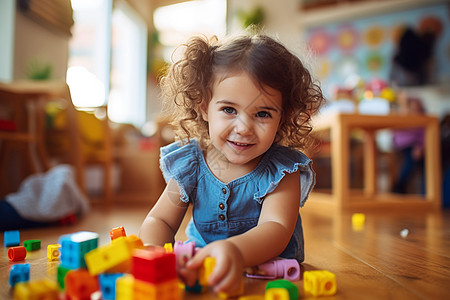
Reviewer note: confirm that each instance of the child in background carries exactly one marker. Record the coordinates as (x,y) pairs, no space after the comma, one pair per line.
(243,108)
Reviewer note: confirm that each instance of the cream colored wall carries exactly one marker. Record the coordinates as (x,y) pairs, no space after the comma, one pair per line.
(34,41)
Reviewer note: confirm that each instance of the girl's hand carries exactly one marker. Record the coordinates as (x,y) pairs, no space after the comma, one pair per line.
(227,274)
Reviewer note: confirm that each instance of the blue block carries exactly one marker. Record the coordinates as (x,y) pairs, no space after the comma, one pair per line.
(108,284)
(19,273)
(11,238)
(75,246)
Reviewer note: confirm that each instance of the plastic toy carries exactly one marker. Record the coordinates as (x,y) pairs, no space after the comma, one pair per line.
(61,275)
(114,257)
(168,247)
(19,273)
(154,265)
(167,290)
(38,289)
(53,252)
(284,284)
(124,287)
(32,245)
(117,232)
(107,283)
(11,238)
(280,268)
(358,220)
(319,283)
(17,253)
(79,284)
(75,246)
(206,271)
(277,294)
(183,252)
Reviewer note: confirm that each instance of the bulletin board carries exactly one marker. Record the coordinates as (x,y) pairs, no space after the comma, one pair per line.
(366,47)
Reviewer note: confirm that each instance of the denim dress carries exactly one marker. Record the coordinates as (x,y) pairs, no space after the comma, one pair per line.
(221,210)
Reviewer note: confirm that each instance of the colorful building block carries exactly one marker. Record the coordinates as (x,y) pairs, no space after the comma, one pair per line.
(319,283)
(117,232)
(19,273)
(358,220)
(107,283)
(206,271)
(75,246)
(125,287)
(279,268)
(183,252)
(61,275)
(114,257)
(53,252)
(154,265)
(168,247)
(277,294)
(17,253)
(11,238)
(38,289)
(79,284)
(32,245)
(284,284)
(167,290)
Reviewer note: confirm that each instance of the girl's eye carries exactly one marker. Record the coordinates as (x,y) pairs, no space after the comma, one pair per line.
(263,114)
(229,110)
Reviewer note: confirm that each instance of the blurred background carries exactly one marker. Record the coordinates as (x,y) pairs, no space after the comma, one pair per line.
(111,54)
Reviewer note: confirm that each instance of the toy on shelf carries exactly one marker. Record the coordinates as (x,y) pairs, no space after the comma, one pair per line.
(19,273)
(319,283)
(11,238)
(17,253)
(279,268)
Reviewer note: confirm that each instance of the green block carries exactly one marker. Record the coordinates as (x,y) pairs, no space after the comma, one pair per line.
(284,284)
(61,274)
(32,245)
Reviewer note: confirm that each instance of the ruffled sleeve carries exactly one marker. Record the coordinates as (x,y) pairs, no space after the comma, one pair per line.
(180,162)
(283,160)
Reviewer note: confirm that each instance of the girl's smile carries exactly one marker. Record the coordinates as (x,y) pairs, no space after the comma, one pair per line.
(243,120)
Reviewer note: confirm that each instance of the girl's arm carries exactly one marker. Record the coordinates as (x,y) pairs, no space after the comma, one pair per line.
(164,219)
(264,242)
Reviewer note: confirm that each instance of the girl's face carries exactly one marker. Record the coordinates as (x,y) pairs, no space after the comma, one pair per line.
(243,118)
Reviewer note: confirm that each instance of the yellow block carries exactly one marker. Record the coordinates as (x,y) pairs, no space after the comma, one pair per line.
(53,252)
(319,283)
(36,290)
(276,294)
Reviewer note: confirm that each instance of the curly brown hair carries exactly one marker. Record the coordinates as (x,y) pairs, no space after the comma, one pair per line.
(190,79)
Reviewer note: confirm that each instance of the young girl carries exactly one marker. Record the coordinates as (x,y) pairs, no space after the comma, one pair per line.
(243,106)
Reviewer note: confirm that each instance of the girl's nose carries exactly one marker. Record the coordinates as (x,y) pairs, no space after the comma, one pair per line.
(243,125)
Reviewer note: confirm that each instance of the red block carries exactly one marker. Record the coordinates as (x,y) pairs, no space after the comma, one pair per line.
(79,284)
(154,265)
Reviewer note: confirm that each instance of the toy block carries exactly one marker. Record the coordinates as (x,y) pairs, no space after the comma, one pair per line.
(252,297)
(125,287)
(279,268)
(319,283)
(183,252)
(117,232)
(154,265)
(19,273)
(114,257)
(75,246)
(79,284)
(38,289)
(277,294)
(358,220)
(168,247)
(32,245)
(11,238)
(107,283)
(235,293)
(284,284)
(196,288)
(53,252)
(168,290)
(206,271)
(61,275)
(17,253)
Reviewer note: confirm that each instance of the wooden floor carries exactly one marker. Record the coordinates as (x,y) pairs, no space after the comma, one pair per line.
(374,263)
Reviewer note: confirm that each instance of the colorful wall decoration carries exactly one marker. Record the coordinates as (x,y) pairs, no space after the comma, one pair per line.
(364,48)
